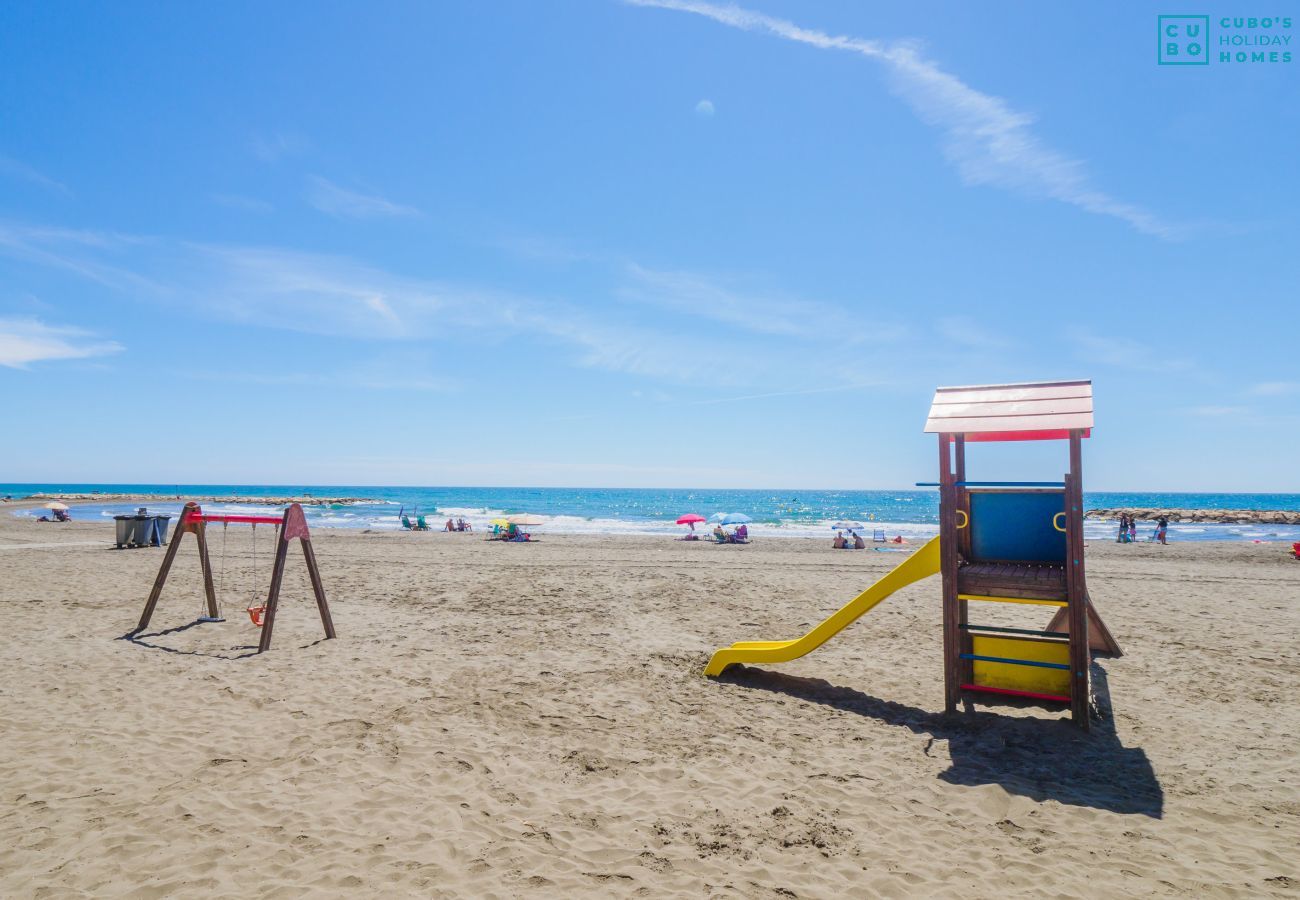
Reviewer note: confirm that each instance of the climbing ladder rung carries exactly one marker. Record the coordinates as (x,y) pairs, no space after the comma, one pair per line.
(998,629)
(1034,600)
(1032,695)
(1014,662)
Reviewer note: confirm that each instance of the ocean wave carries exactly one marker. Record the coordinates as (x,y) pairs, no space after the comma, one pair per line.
(792,522)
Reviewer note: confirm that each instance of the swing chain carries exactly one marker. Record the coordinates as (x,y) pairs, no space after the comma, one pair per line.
(221,588)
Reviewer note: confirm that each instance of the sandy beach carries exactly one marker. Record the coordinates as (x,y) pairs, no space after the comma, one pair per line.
(530,720)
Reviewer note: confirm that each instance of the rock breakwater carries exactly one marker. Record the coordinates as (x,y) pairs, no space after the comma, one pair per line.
(1208,516)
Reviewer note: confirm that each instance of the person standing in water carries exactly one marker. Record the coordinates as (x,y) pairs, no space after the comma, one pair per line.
(1162,529)
(1123,529)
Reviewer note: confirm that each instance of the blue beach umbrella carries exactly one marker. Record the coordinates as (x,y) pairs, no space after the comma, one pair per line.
(730,518)
(847,526)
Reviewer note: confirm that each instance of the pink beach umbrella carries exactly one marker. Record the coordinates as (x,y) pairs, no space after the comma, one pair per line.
(690,519)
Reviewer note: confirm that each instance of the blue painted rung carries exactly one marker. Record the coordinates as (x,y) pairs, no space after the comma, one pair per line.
(1015,662)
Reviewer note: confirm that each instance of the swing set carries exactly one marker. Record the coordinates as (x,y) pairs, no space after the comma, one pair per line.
(292,525)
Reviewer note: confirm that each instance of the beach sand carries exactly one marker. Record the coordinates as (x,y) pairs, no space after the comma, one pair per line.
(530,720)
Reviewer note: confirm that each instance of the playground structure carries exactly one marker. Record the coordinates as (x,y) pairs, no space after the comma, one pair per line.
(292,525)
(999,542)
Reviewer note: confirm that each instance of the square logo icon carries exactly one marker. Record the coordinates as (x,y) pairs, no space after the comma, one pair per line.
(1184,40)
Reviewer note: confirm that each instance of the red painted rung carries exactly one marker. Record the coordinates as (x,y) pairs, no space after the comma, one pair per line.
(1055,698)
(248,520)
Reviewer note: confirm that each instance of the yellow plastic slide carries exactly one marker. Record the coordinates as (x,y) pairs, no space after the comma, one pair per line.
(921,564)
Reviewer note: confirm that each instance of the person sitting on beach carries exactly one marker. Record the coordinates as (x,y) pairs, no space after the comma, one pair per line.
(720,534)
(462,525)
(742,534)
(839,543)
(858,542)
(451,526)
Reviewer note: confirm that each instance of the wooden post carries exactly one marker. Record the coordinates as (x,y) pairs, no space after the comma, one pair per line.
(948,564)
(294,525)
(209,590)
(182,526)
(963,494)
(273,595)
(965,642)
(317,587)
(1080,654)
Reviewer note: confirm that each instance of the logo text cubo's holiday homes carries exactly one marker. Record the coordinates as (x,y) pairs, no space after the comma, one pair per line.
(1194,40)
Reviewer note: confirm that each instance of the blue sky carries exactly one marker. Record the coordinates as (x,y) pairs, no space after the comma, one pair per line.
(660,244)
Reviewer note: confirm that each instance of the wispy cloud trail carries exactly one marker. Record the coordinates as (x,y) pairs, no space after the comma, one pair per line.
(12,168)
(839,388)
(26,341)
(241,202)
(989,142)
(337,201)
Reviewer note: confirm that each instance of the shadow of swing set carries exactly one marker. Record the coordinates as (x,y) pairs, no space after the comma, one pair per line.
(293,524)
(999,542)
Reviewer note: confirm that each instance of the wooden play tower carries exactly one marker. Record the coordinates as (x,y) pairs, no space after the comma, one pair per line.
(1016,543)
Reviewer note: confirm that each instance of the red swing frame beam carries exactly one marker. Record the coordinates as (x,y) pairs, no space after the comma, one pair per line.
(293,525)
(247,520)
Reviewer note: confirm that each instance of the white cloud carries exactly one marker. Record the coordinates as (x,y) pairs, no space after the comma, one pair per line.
(271,148)
(372,377)
(704,109)
(240,202)
(839,388)
(1125,353)
(340,202)
(1218,411)
(988,141)
(25,341)
(966,331)
(12,168)
(703,297)
(1275,388)
(337,296)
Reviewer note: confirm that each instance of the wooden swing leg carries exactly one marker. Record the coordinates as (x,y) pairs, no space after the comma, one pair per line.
(208,589)
(318,588)
(158,583)
(273,595)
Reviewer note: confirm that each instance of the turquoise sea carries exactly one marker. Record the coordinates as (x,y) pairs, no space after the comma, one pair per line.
(794,513)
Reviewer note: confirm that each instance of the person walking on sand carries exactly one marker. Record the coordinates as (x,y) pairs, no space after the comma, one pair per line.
(1162,529)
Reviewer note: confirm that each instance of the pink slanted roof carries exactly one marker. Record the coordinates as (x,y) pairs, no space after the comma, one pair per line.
(1037,411)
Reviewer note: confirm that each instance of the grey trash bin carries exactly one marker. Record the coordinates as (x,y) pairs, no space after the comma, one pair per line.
(140,530)
(160,523)
(124,525)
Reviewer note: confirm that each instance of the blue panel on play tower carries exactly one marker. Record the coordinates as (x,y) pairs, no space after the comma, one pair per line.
(1017,526)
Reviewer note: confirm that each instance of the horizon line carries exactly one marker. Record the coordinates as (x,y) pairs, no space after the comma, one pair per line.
(502,487)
